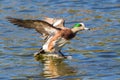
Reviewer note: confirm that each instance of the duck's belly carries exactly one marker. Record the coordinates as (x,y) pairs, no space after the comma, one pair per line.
(60,43)
(45,46)
(57,45)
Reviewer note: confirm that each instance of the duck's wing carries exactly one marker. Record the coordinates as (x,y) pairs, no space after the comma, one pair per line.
(56,22)
(40,26)
(49,20)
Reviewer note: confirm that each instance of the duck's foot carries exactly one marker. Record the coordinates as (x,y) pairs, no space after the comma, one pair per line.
(36,54)
(61,54)
(41,51)
(66,56)
(69,57)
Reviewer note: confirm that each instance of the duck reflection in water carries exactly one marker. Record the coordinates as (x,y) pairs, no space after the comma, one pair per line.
(54,66)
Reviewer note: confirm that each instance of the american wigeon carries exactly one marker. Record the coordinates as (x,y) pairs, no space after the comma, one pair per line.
(53,31)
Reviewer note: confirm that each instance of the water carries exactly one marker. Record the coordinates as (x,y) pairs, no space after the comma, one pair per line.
(95,53)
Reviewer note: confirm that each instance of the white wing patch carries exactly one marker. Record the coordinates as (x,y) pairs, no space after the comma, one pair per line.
(57,22)
(53,31)
(45,46)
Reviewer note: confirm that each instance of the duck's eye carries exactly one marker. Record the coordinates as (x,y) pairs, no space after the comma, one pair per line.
(80,25)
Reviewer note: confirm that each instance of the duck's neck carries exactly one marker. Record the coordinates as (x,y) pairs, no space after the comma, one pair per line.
(74,30)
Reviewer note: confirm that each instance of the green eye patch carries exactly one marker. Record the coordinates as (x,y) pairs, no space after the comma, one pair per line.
(77,25)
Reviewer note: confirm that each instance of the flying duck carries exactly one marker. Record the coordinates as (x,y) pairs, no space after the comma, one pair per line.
(52,30)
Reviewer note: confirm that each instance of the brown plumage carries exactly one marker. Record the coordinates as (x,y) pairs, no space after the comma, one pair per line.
(67,34)
(57,22)
(40,26)
(53,31)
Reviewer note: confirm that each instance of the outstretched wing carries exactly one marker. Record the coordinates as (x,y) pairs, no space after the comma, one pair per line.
(56,22)
(40,26)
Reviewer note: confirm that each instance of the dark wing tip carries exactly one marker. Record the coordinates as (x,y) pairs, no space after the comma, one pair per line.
(19,22)
(8,17)
(12,20)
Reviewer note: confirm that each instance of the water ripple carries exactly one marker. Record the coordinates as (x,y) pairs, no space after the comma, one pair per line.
(95,53)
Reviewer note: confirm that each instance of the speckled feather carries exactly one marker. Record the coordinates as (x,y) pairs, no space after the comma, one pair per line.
(39,25)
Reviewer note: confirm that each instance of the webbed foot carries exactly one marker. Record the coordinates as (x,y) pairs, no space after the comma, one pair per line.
(41,51)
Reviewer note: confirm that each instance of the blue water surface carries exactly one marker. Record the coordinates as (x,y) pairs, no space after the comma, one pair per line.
(95,53)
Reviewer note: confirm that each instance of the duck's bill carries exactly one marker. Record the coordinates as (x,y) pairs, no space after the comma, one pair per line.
(86,28)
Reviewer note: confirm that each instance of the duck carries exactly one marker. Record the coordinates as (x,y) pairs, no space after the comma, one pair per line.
(53,32)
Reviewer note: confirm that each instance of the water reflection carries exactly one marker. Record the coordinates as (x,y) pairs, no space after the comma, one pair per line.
(54,66)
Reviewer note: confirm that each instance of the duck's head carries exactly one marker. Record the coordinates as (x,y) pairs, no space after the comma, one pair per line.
(79,27)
